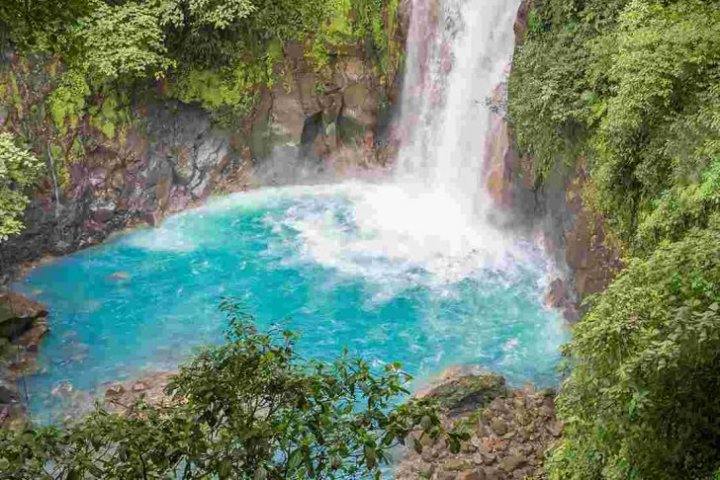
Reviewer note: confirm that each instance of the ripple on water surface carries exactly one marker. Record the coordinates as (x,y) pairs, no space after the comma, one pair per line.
(346,265)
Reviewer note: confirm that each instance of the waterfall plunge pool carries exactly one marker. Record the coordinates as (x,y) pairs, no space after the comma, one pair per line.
(394,274)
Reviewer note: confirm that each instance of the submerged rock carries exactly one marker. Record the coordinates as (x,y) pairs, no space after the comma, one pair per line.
(119,276)
(23,324)
(8,393)
(122,398)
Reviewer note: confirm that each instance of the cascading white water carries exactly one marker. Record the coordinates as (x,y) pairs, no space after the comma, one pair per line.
(457,54)
(435,211)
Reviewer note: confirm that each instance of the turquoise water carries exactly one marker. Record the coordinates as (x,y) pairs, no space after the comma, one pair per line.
(346,265)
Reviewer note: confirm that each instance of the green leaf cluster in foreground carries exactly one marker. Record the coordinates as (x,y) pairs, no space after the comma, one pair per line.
(249,409)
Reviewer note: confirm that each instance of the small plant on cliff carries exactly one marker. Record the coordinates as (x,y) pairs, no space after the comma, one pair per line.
(249,409)
(19,168)
(642,399)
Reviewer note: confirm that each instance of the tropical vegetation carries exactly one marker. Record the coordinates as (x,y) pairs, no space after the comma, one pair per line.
(88,60)
(628,91)
(18,169)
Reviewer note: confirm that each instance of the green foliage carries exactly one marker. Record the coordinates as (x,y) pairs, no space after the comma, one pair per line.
(67,101)
(230,91)
(108,116)
(641,401)
(198,14)
(535,25)
(249,409)
(123,41)
(41,25)
(632,89)
(631,86)
(680,209)
(18,170)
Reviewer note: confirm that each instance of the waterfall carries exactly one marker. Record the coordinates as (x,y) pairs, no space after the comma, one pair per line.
(406,267)
(434,212)
(457,54)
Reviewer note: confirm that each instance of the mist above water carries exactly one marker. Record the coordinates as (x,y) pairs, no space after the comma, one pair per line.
(436,205)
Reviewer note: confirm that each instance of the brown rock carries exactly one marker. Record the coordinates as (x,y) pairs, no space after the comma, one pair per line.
(467,392)
(492,473)
(31,339)
(287,115)
(456,464)
(17,315)
(139,387)
(498,426)
(512,462)
(8,393)
(428,455)
(554,428)
(472,475)
(114,391)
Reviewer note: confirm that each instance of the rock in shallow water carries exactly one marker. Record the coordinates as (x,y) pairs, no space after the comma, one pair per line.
(18,314)
(8,393)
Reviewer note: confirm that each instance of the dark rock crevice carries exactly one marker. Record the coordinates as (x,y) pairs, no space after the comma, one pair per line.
(23,324)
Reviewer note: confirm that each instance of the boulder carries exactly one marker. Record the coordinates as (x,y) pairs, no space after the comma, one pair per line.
(31,339)
(498,426)
(8,393)
(472,475)
(469,392)
(114,391)
(287,116)
(359,105)
(512,462)
(456,465)
(18,314)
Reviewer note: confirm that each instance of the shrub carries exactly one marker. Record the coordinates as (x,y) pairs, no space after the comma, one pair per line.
(249,409)
(19,168)
(642,399)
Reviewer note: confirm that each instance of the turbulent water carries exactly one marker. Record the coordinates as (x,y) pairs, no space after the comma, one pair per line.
(407,269)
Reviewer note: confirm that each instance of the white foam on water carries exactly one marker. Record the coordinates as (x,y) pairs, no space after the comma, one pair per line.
(429,223)
(434,214)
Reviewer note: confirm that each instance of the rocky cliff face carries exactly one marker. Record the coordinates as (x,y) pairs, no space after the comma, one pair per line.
(171,155)
(557,209)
